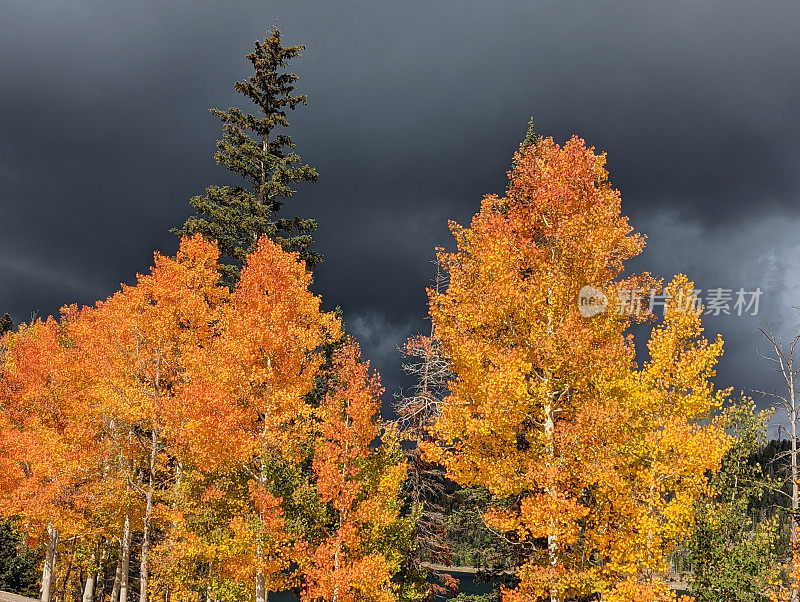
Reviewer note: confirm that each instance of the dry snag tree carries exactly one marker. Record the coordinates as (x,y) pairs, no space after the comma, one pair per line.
(782,355)
(426,485)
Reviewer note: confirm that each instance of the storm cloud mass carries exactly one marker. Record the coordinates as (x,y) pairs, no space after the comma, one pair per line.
(414,111)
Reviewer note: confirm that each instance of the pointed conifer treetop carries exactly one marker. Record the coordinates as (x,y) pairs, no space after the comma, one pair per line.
(254,147)
(530,135)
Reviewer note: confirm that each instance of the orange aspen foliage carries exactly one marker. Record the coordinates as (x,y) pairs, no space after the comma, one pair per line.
(134,351)
(360,487)
(547,408)
(51,461)
(242,428)
(34,418)
(184,413)
(270,349)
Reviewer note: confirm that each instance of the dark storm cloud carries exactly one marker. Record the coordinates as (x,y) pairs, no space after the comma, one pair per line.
(415,109)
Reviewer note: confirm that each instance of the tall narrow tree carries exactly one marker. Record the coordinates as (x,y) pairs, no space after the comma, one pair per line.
(364,540)
(254,148)
(427,489)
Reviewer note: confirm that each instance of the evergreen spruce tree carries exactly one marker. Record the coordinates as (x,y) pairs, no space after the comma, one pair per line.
(530,135)
(253,147)
(19,570)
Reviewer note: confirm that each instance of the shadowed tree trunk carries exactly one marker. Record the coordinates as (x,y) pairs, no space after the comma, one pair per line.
(144,571)
(125,561)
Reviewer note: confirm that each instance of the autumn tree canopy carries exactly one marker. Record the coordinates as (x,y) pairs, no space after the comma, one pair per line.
(181,412)
(214,434)
(601,460)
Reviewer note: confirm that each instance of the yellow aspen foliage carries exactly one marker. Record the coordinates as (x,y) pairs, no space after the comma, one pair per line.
(598,459)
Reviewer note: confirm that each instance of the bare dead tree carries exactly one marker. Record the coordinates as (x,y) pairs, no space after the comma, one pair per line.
(424,361)
(426,486)
(784,360)
(419,408)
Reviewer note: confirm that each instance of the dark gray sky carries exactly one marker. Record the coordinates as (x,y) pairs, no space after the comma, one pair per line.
(414,111)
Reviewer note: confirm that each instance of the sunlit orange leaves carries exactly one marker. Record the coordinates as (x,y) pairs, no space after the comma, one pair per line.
(361,483)
(184,406)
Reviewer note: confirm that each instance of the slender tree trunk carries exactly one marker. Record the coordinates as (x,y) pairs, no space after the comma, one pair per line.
(117,579)
(70,564)
(91,579)
(102,578)
(552,540)
(144,572)
(549,432)
(49,570)
(100,585)
(178,483)
(261,581)
(785,358)
(144,569)
(125,560)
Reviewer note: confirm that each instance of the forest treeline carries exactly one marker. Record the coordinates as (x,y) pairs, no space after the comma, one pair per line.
(211,434)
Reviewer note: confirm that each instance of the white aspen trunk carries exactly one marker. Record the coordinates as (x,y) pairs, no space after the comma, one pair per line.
(261,581)
(144,567)
(125,561)
(552,540)
(178,482)
(549,430)
(100,576)
(91,579)
(49,569)
(786,360)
